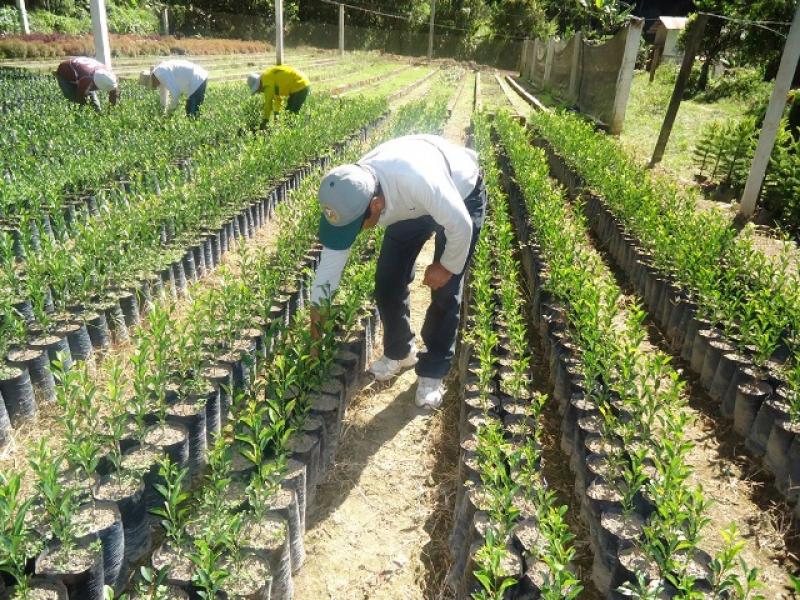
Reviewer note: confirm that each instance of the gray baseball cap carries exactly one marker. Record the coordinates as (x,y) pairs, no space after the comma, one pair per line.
(344,196)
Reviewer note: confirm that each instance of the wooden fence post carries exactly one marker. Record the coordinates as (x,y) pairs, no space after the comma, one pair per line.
(341,30)
(692,44)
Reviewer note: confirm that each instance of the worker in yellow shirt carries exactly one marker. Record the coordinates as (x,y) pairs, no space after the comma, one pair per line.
(278,84)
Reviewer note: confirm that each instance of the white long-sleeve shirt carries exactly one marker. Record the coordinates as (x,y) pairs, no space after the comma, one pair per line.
(178,77)
(419,175)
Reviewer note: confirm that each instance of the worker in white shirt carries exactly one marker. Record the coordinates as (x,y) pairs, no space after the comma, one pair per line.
(416,186)
(176,78)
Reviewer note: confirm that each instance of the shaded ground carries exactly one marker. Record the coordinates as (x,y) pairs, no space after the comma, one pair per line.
(645,114)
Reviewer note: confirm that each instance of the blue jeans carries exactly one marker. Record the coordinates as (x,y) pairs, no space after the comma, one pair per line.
(194,101)
(70,91)
(402,244)
(296,100)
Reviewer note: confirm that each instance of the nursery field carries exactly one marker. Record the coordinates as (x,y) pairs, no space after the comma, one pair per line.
(622,417)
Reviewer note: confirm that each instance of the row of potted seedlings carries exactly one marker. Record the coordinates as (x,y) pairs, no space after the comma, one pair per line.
(245,531)
(58,155)
(157,440)
(308,395)
(20,87)
(731,312)
(173,238)
(185,383)
(621,404)
(510,539)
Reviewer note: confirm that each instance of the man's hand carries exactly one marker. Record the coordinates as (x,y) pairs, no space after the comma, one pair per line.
(436,276)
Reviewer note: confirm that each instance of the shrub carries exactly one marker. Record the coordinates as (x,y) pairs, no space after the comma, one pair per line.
(9,20)
(738,84)
(138,21)
(47,22)
(56,45)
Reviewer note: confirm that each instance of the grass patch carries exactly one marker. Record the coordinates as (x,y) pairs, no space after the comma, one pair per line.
(646,109)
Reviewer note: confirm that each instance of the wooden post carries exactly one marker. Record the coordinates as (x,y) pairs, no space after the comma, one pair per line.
(102,47)
(278,32)
(341,30)
(23,17)
(430,30)
(655,61)
(625,75)
(772,120)
(478,103)
(548,59)
(574,69)
(692,43)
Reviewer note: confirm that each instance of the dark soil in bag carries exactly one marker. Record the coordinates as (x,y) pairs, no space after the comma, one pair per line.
(19,403)
(102,520)
(44,589)
(36,363)
(128,491)
(249,580)
(80,569)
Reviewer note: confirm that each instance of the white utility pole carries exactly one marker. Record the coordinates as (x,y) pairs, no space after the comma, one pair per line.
(772,120)
(278,32)
(625,76)
(341,30)
(23,17)
(102,47)
(430,32)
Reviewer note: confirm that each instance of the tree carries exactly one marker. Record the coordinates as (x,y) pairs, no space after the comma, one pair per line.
(752,34)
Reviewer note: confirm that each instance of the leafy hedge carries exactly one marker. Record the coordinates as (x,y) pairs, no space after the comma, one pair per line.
(724,154)
(121,19)
(55,45)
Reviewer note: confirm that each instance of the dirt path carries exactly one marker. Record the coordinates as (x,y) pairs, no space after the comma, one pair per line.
(383,514)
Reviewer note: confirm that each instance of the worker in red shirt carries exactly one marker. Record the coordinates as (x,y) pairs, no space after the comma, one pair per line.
(82,77)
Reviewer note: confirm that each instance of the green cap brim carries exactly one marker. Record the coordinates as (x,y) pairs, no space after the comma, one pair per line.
(338,238)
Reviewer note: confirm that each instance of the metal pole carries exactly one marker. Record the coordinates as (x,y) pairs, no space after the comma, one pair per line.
(341,30)
(23,17)
(430,32)
(692,43)
(278,32)
(102,47)
(772,120)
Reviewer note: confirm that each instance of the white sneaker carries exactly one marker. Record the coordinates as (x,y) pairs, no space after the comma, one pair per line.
(429,392)
(385,368)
